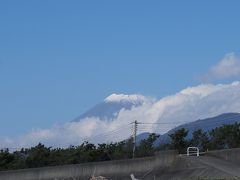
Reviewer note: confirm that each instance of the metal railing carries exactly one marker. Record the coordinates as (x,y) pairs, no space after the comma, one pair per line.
(192,151)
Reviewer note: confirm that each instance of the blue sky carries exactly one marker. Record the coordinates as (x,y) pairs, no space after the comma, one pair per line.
(59,58)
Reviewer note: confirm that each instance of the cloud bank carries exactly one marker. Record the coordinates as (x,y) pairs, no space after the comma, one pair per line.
(188,105)
(228,67)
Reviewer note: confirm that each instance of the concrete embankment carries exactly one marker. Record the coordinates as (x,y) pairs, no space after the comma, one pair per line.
(111,169)
(221,164)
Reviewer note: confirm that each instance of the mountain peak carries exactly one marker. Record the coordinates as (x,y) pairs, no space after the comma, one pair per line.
(134,98)
(112,105)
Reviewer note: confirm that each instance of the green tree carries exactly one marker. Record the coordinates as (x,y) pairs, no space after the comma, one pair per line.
(146,146)
(38,156)
(200,139)
(6,159)
(226,136)
(86,152)
(178,140)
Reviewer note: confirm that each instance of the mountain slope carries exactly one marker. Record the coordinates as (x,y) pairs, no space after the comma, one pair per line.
(204,124)
(111,106)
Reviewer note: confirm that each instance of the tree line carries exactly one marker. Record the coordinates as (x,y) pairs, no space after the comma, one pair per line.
(226,136)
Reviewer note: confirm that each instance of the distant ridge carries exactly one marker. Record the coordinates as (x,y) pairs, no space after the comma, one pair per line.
(210,123)
(204,124)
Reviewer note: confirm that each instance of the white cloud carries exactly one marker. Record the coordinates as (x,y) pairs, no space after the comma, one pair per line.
(228,67)
(187,105)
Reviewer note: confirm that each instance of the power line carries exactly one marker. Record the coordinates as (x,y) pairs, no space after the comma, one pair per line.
(139,127)
(108,132)
(188,124)
(152,123)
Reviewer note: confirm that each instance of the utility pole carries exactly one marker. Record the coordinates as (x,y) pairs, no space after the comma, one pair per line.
(135,123)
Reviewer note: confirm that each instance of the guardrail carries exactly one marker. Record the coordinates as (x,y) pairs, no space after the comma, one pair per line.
(192,151)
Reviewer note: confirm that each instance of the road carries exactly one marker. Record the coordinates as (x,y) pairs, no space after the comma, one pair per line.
(202,167)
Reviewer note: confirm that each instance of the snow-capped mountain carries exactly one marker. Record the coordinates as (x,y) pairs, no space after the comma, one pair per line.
(112,105)
(113,116)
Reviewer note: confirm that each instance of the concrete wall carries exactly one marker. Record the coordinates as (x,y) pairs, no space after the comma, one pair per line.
(232,155)
(110,169)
